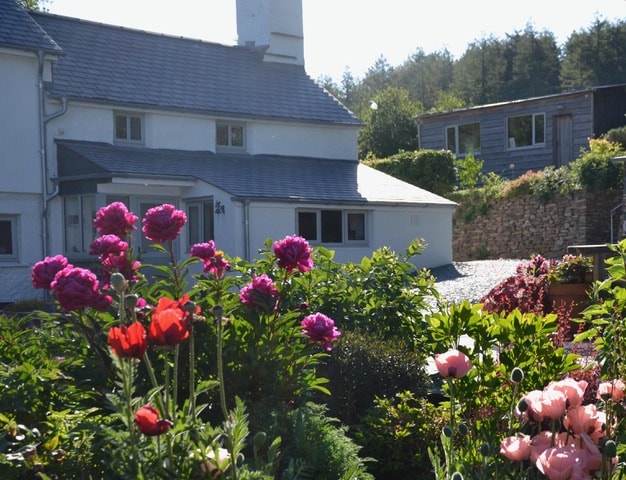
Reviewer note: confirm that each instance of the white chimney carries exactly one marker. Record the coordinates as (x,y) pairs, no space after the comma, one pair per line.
(275,25)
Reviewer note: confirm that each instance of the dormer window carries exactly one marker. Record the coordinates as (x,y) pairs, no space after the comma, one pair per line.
(230,136)
(128,128)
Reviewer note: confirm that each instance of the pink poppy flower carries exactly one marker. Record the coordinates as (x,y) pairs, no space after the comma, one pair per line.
(516,448)
(293,252)
(453,363)
(163,223)
(574,390)
(115,219)
(613,389)
(582,419)
(558,463)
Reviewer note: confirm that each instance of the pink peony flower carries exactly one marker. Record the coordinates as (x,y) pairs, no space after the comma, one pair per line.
(217,265)
(77,288)
(204,251)
(293,252)
(43,272)
(574,390)
(119,263)
(516,448)
(260,294)
(582,419)
(558,463)
(320,329)
(107,245)
(115,219)
(163,223)
(453,363)
(613,390)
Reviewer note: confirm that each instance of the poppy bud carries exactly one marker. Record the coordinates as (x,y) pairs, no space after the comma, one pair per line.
(118,282)
(447,431)
(517,375)
(484,450)
(610,449)
(462,428)
(456,476)
(131,301)
(522,405)
(259,439)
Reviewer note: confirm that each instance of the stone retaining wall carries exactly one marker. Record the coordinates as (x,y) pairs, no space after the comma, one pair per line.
(523,226)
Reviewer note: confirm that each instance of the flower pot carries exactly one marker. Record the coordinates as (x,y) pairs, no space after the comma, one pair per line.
(570,295)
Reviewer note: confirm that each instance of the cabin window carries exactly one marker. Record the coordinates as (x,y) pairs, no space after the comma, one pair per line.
(333,226)
(8,237)
(128,128)
(463,139)
(200,221)
(78,214)
(526,130)
(230,136)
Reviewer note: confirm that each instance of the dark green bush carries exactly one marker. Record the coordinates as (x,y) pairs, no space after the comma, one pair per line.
(552,181)
(617,135)
(363,367)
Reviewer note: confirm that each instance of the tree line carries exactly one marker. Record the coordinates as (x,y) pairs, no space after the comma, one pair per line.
(524,64)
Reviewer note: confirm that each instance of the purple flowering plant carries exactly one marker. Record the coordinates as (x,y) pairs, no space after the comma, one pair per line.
(262,346)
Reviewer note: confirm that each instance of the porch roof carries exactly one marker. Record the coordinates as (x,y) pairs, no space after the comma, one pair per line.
(256,177)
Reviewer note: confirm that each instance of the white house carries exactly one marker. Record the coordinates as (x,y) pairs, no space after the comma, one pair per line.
(239,137)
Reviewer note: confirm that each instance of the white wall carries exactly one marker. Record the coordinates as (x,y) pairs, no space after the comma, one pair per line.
(19,126)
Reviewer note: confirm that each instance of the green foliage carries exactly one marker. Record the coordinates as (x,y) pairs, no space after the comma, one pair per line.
(469,169)
(390,125)
(617,136)
(400,429)
(594,170)
(335,456)
(432,170)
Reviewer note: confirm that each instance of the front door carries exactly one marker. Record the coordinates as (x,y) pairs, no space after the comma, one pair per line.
(563,143)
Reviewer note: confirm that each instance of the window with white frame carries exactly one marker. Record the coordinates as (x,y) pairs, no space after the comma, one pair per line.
(230,136)
(78,214)
(463,139)
(526,130)
(128,127)
(8,237)
(333,226)
(200,221)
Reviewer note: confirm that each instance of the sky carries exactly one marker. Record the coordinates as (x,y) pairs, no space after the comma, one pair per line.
(342,35)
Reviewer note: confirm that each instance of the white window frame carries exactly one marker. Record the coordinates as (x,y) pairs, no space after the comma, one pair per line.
(83,224)
(456,148)
(203,205)
(513,144)
(345,234)
(13,226)
(229,147)
(128,116)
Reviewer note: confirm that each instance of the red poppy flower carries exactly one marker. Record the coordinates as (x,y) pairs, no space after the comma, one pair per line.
(128,342)
(148,421)
(170,322)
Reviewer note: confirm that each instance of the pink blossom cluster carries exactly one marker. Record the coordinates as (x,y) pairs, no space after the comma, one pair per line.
(570,448)
(213,259)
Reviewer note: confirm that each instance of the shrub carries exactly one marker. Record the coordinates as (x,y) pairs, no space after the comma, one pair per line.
(399,430)
(594,170)
(363,367)
(520,186)
(552,181)
(468,170)
(617,136)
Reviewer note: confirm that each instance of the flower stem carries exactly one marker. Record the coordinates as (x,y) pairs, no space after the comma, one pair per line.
(217,314)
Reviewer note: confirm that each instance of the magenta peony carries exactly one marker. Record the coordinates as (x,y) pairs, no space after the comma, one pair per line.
(204,251)
(453,363)
(163,223)
(320,329)
(115,219)
(260,294)
(293,252)
(43,272)
(107,245)
(77,288)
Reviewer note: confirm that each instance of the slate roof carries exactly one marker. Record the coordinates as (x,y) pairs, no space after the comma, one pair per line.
(18,29)
(258,177)
(121,66)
